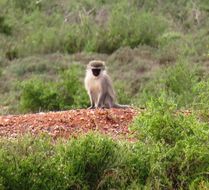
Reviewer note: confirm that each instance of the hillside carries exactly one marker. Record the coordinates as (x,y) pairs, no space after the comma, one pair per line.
(42,41)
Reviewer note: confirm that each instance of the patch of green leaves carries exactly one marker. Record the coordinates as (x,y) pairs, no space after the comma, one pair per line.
(68,92)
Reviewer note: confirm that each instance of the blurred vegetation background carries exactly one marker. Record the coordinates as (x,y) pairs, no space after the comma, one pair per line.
(151,48)
(157,52)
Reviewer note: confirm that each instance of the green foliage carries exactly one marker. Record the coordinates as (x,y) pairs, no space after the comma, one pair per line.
(42,31)
(171,153)
(177,82)
(80,35)
(128,28)
(37,96)
(178,146)
(68,92)
(45,38)
(91,162)
(4,27)
(201,100)
(23,164)
(30,5)
(25,6)
(123,96)
(169,37)
(71,90)
(86,160)
(48,26)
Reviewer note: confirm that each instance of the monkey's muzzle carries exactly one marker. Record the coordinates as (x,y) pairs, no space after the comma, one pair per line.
(96,72)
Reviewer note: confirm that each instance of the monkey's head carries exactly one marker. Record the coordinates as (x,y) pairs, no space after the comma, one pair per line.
(96,67)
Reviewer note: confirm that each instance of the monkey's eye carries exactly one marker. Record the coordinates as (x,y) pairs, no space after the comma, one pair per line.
(96,72)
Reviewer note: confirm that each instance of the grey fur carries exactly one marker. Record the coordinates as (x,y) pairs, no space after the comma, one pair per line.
(99,88)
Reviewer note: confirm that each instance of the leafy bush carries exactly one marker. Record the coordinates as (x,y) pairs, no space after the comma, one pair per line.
(68,92)
(171,153)
(178,146)
(48,36)
(80,35)
(201,102)
(87,160)
(23,164)
(32,5)
(37,26)
(4,27)
(168,37)
(71,89)
(143,28)
(177,82)
(91,162)
(37,96)
(128,28)
(123,96)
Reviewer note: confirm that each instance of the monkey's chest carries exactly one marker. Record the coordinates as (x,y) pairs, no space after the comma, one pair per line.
(95,86)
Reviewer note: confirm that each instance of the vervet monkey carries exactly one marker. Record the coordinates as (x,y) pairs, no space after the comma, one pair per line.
(99,86)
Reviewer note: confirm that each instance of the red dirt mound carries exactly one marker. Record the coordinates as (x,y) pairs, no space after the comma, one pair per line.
(113,122)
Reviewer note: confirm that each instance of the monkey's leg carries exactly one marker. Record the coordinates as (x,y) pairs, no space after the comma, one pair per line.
(91,100)
(108,102)
(101,100)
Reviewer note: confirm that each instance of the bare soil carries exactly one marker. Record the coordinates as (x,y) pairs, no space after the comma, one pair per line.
(72,123)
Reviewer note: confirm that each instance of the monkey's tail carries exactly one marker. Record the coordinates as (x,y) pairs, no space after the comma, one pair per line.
(120,106)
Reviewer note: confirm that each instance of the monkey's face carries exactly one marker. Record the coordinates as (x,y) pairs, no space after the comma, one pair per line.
(96,72)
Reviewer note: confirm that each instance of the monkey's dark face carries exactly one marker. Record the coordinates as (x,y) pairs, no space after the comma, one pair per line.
(96,72)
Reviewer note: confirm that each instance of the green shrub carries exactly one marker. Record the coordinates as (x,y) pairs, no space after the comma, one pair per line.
(176,82)
(25,164)
(80,35)
(37,95)
(48,36)
(46,40)
(91,162)
(12,53)
(123,97)
(201,102)
(178,146)
(123,28)
(4,27)
(168,37)
(71,89)
(87,160)
(31,5)
(150,28)
(68,92)
(131,28)
(171,153)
